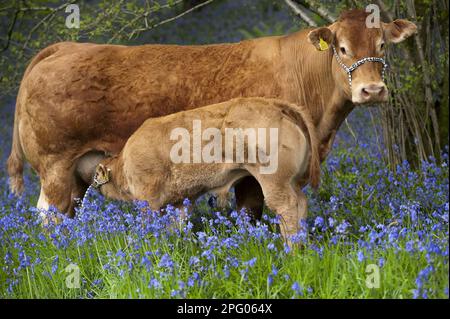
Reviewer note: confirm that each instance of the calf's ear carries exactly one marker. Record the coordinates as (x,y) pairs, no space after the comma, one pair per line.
(102,173)
(322,38)
(398,30)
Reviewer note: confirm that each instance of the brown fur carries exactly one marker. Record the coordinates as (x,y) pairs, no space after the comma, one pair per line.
(77,97)
(145,171)
(15,160)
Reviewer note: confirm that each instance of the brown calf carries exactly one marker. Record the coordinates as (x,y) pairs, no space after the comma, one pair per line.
(150,171)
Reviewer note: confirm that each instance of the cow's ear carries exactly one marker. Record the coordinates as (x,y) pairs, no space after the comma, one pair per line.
(321,38)
(398,30)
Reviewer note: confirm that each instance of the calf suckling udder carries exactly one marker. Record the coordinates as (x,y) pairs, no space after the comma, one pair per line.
(87,163)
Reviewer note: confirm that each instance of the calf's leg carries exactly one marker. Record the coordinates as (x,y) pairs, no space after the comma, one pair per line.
(289,203)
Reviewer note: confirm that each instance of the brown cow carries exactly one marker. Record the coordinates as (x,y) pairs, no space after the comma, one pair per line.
(77,98)
(271,140)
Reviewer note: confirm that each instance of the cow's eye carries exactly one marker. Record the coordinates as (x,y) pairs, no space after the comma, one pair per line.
(343,51)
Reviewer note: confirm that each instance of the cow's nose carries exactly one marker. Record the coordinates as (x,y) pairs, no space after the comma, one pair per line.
(374,91)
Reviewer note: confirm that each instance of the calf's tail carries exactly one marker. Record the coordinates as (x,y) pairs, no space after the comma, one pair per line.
(314,161)
(302,117)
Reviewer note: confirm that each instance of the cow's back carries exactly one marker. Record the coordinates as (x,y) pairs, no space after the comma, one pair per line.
(88,96)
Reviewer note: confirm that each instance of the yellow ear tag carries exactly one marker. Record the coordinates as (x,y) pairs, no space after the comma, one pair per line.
(323,45)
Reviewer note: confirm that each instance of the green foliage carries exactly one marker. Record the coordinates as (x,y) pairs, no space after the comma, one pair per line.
(39,23)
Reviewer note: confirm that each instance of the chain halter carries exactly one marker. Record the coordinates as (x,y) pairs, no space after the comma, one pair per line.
(97,182)
(358,63)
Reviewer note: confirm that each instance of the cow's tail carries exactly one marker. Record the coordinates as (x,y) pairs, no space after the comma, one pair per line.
(16,158)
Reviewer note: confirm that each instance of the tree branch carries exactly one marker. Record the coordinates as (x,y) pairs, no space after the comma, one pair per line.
(169,19)
(49,16)
(10,31)
(144,16)
(319,10)
(426,78)
(385,11)
(300,11)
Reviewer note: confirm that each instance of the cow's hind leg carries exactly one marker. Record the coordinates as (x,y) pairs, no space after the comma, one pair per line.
(59,188)
(42,204)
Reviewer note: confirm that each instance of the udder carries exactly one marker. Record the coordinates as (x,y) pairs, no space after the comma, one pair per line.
(87,163)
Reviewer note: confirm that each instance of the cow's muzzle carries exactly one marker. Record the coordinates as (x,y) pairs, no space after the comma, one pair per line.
(373,92)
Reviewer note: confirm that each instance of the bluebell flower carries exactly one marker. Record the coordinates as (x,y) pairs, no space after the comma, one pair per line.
(166,262)
(186,202)
(226,271)
(360,256)
(154,283)
(297,288)
(97,282)
(319,222)
(55,263)
(190,282)
(331,222)
(342,227)
(269,280)
(193,260)
(251,262)
(274,270)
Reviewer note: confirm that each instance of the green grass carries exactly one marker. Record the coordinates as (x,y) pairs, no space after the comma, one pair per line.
(396,222)
(335,274)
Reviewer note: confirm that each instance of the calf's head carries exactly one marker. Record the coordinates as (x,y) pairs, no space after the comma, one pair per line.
(358,51)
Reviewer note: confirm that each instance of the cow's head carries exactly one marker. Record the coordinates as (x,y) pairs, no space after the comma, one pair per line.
(351,42)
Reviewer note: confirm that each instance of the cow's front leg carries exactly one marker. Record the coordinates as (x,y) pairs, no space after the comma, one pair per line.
(249,195)
(326,145)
